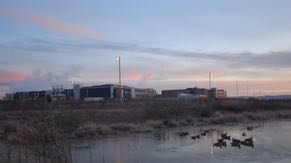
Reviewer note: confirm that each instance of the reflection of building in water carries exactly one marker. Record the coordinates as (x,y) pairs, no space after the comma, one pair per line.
(118,158)
(212,150)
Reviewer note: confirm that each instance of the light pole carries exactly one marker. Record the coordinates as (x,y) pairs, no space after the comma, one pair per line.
(209,80)
(236,83)
(119,77)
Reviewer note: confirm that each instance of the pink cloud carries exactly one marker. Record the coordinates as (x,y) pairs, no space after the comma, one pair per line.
(217,73)
(50,23)
(139,77)
(134,77)
(13,77)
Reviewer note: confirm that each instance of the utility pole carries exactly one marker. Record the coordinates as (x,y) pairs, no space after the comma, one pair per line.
(247,91)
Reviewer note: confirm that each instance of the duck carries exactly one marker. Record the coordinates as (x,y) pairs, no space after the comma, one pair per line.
(224,136)
(195,137)
(235,145)
(183,134)
(212,129)
(250,140)
(220,143)
(207,131)
(217,145)
(203,134)
(220,140)
(249,128)
(236,141)
(246,143)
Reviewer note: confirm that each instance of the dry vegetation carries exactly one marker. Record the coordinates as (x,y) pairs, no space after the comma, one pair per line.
(40,129)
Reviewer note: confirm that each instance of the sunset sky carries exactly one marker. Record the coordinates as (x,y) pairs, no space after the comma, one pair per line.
(163,44)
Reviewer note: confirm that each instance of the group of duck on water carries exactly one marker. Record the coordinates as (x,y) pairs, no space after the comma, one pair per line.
(234,142)
(222,141)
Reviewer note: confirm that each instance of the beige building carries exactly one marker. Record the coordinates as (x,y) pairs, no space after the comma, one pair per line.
(143,93)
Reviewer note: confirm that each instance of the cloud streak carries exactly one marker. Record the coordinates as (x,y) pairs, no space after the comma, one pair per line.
(50,23)
(279,59)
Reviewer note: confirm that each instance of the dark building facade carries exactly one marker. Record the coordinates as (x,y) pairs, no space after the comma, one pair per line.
(174,93)
(32,95)
(103,91)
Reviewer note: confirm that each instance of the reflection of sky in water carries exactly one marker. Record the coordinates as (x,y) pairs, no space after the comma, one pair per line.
(272,144)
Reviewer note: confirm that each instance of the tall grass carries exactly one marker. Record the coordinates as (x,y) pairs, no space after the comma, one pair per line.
(35,141)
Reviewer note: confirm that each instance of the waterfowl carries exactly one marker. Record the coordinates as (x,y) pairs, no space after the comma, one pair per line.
(220,140)
(220,143)
(250,128)
(183,134)
(237,141)
(212,129)
(217,145)
(246,143)
(250,140)
(207,131)
(224,136)
(235,144)
(195,137)
(203,134)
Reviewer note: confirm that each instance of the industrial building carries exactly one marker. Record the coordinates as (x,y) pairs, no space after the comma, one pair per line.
(218,93)
(113,91)
(197,92)
(87,93)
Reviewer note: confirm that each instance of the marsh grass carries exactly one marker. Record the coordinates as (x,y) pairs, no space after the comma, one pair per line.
(33,141)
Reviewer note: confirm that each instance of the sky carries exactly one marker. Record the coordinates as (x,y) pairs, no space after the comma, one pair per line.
(162,44)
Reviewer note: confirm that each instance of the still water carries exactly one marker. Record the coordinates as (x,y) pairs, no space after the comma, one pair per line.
(272,143)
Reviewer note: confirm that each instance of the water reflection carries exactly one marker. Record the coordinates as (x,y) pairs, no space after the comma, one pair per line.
(207,144)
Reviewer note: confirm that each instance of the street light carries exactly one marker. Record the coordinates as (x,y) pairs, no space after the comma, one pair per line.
(119,77)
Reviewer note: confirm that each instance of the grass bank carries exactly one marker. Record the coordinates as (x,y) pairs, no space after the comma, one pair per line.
(22,123)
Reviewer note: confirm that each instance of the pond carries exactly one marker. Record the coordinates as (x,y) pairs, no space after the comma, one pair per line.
(271,143)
